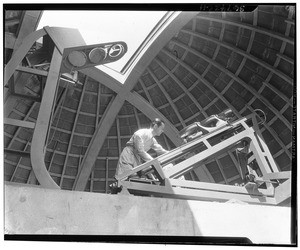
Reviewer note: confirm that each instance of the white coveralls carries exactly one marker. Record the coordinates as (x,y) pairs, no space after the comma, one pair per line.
(135,152)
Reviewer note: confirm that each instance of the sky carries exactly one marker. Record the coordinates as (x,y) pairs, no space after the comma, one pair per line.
(96,27)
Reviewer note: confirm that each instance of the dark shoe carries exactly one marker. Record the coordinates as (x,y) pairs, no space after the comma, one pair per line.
(250,178)
(114,189)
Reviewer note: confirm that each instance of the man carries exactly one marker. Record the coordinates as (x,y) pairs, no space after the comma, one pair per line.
(135,152)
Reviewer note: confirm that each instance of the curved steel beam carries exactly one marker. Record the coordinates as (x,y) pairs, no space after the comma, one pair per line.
(103,78)
(170,31)
(124,93)
(21,53)
(29,23)
(42,124)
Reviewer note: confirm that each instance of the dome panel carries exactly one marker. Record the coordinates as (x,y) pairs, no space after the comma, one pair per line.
(282,86)
(182,74)
(67,183)
(230,34)
(169,113)
(172,88)
(268,20)
(196,63)
(262,52)
(275,100)
(158,71)
(286,67)
(199,43)
(90,98)
(147,79)
(158,97)
(202,26)
(258,104)
(166,60)
(219,84)
(73,161)
(213,109)
(283,162)
(62,147)
(178,51)
(288,114)
(292,33)
(183,38)
(8,171)
(215,30)
(92,86)
(202,99)
(279,127)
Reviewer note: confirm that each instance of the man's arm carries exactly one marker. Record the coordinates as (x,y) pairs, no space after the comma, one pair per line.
(158,148)
(139,146)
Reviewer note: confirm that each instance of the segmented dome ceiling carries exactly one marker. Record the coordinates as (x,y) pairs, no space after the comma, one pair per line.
(238,60)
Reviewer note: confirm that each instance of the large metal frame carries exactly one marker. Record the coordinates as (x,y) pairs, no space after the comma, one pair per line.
(43,120)
(170,166)
(63,41)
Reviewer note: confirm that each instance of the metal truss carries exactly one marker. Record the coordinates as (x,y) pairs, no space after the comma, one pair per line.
(274,187)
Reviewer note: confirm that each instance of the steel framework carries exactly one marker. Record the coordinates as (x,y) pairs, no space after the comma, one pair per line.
(274,187)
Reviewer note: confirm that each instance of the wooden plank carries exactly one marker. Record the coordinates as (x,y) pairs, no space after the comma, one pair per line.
(28,97)
(32,71)
(19,123)
(17,152)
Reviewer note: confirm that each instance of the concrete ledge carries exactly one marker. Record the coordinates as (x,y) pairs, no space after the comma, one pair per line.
(34,210)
